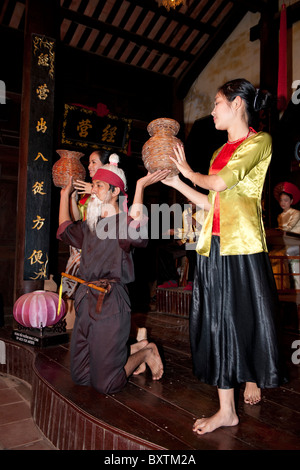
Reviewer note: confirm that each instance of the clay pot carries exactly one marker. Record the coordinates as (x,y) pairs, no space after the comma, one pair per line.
(157,150)
(68,165)
(38,309)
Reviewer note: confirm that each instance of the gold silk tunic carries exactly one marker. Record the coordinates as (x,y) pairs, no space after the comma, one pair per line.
(289,221)
(82,206)
(241,225)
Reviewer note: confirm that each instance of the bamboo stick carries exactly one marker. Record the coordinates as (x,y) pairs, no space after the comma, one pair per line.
(77,279)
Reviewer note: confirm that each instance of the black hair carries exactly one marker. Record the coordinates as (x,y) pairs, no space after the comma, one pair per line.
(287,194)
(103,156)
(112,188)
(254,98)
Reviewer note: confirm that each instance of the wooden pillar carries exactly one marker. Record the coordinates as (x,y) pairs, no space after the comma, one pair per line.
(41,20)
(269,47)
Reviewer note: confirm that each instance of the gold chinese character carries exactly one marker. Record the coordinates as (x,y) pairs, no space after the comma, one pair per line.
(109,133)
(39,222)
(36,257)
(40,155)
(41,125)
(42,273)
(43,60)
(37,188)
(42,92)
(83,127)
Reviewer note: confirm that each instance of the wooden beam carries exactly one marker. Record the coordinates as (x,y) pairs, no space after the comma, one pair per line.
(175,15)
(118,32)
(252,5)
(292,16)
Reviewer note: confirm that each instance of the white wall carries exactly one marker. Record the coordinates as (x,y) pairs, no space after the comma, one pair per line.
(237,58)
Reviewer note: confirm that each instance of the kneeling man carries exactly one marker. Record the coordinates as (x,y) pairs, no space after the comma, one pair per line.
(100,355)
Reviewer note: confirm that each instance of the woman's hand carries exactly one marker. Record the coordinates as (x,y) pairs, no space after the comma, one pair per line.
(136,211)
(83,187)
(171,181)
(180,161)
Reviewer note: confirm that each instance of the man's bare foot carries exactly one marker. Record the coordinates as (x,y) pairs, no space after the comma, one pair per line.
(252,394)
(141,334)
(205,425)
(135,348)
(140,370)
(154,361)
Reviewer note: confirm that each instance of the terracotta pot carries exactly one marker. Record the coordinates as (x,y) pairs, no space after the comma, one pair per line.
(157,150)
(38,309)
(68,165)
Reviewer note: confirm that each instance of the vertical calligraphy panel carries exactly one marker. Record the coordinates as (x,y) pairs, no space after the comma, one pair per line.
(40,150)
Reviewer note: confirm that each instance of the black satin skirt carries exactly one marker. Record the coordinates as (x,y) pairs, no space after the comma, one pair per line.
(234,320)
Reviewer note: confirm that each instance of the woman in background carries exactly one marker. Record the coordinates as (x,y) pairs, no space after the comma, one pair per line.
(287,194)
(78,211)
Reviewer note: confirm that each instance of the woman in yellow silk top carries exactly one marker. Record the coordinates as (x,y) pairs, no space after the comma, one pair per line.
(232,324)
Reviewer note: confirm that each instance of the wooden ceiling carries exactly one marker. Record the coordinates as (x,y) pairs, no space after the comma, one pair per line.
(177,43)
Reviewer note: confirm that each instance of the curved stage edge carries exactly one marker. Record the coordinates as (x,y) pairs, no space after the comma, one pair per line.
(151,415)
(60,408)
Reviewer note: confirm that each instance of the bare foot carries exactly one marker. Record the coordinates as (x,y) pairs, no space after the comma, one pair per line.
(141,334)
(205,425)
(141,369)
(252,394)
(154,362)
(135,348)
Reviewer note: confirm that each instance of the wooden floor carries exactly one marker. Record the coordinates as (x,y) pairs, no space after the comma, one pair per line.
(153,415)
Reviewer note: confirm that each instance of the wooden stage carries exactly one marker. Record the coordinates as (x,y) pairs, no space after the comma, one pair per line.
(150,415)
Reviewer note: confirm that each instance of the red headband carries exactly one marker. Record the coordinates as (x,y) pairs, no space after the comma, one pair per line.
(111,178)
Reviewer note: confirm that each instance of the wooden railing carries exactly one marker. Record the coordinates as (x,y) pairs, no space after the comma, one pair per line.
(286,268)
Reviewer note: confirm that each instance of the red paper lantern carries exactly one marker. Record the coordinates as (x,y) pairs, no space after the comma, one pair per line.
(38,309)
